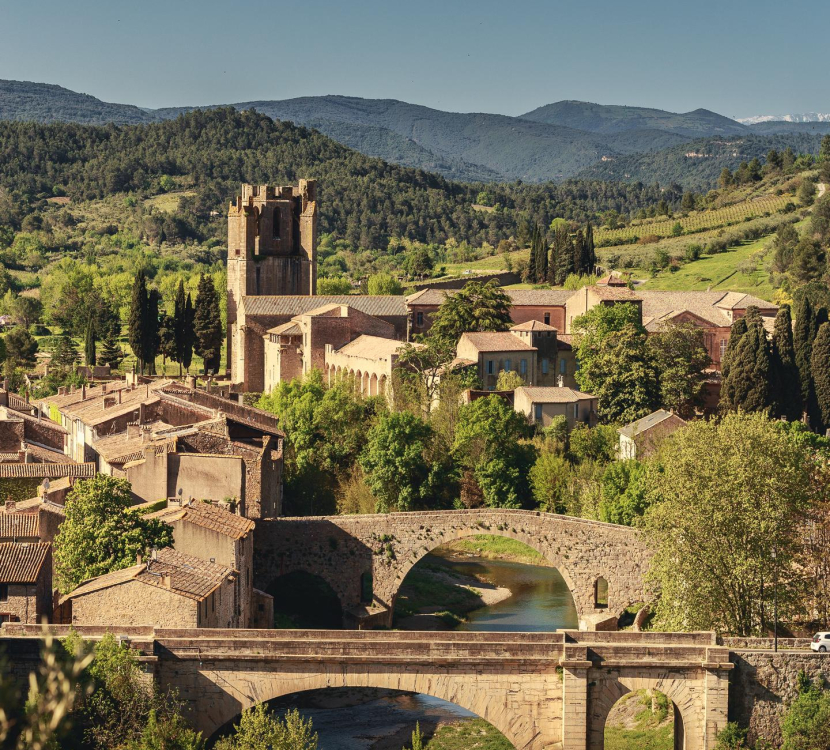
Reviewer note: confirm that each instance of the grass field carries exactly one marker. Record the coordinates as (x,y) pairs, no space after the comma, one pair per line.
(475,734)
(495,547)
(741,270)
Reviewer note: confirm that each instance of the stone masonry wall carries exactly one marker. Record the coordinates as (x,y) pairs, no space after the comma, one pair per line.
(763,684)
(341,549)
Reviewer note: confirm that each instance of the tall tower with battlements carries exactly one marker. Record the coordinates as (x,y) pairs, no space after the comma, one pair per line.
(272,245)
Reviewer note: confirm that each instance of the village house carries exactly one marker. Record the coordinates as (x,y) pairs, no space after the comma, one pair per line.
(640,439)
(169,438)
(211,533)
(22,481)
(529,349)
(26,434)
(369,361)
(169,590)
(25,580)
(541,405)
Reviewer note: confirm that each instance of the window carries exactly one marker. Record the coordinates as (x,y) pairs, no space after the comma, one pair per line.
(547,319)
(4,592)
(489,366)
(563,367)
(576,411)
(419,319)
(537,412)
(723,344)
(523,367)
(544,367)
(507,365)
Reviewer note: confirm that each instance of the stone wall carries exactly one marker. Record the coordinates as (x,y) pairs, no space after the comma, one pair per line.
(344,549)
(763,684)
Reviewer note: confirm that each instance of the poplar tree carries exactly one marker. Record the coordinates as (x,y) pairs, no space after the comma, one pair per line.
(89,343)
(137,323)
(786,379)
(820,365)
(207,324)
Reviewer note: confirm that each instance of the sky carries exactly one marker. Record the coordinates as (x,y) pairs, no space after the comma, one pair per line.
(736,57)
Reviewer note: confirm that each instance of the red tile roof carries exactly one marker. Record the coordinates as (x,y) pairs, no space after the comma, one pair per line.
(22,563)
(46,470)
(208,516)
(16,525)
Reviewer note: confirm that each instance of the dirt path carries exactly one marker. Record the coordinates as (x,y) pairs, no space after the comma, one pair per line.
(822,189)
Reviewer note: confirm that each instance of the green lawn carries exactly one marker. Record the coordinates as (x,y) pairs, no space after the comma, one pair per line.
(475,734)
(617,738)
(494,547)
(744,269)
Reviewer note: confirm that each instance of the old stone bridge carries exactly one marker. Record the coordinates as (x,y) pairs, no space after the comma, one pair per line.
(541,690)
(364,559)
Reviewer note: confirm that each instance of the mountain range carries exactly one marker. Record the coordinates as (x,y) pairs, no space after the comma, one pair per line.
(554,142)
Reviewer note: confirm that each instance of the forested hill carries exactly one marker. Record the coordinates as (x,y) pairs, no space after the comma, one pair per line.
(363,200)
(697,164)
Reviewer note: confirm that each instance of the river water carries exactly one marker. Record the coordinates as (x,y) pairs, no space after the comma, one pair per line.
(540,601)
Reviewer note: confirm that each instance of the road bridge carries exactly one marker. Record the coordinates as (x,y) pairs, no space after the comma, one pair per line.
(541,690)
(365,558)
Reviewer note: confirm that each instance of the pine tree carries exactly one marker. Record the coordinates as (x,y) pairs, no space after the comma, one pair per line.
(820,365)
(89,344)
(207,324)
(111,353)
(590,250)
(138,320)
(64,353)
(786,380)
(746,383)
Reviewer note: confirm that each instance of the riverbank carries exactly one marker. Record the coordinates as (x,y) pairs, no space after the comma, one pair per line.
(434,596)
(492,547)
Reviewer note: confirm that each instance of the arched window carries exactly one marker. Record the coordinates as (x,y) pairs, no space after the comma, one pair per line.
(601,593)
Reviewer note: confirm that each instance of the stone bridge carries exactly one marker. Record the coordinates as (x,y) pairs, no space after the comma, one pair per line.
(541,690)
(366,558)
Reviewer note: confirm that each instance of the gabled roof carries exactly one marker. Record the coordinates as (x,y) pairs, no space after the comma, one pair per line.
(552,395)
(741,301)
(648,422)
(190,576)
(532,325)
(16,525)
(22,563)
(287,329)
(518,297)
(372,347)
(208,516)
(497,341)
(390,305)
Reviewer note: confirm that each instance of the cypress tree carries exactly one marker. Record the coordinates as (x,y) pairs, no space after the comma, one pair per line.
(803,336)
(564,255)
(532,274)
(137,335)
(152,331)
(541,258)
(180,332)
(746,386)
(190,334)
(89,344)
(786,379)
(581,262)
(736,333)
(820,365)
(207,324)
(111,353)
(590,250)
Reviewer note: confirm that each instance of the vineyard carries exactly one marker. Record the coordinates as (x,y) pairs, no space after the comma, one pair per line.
(699,221)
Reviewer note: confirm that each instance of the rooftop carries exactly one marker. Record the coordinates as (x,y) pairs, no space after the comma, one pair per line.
(532,325)
(47,470)
(496,341)
(190,576)
(16,525)
(22,563)
(208,516)
(552,395)
(646,423)
(371,347)
(299,305)
(520,297)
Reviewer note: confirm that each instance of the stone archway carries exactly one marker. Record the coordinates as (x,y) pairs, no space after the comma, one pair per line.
(681,689)
(243,688)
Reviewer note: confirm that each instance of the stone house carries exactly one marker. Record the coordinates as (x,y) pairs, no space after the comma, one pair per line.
(25,581)
(640,439)
(209,532)
(293,349)
(530,349)
(169,590)
(541,405)
(369,360)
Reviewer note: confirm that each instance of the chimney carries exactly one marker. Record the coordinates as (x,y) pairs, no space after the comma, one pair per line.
(560,381)
(39,412)
(119,395)
(139,559)
(103,387)
(166,581)
(154,554)
(83,391)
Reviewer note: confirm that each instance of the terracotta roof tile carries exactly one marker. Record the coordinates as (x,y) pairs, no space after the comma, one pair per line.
(22,563)
(16,525)
(551,395)
(296,305)
(208,516)
(646,423)
(371,347)
(493,341)
(46,470)
(532,325)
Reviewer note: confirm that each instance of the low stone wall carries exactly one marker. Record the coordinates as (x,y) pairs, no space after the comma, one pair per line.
(764,644)
(763,684)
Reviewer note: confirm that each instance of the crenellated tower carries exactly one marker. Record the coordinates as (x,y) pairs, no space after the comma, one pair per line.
(272,244)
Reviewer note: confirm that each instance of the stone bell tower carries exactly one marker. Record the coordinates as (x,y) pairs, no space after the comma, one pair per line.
(272,245)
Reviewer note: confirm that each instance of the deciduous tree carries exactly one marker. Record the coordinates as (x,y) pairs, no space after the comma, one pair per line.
(681,360)
(477,307)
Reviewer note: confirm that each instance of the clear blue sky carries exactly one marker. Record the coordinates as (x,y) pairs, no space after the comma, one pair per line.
(737,57)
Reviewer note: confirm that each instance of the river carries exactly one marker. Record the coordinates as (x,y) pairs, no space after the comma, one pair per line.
(540,601)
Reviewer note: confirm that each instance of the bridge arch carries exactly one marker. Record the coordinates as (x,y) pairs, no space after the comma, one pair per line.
(243,690)
(423,550)
(683,692)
